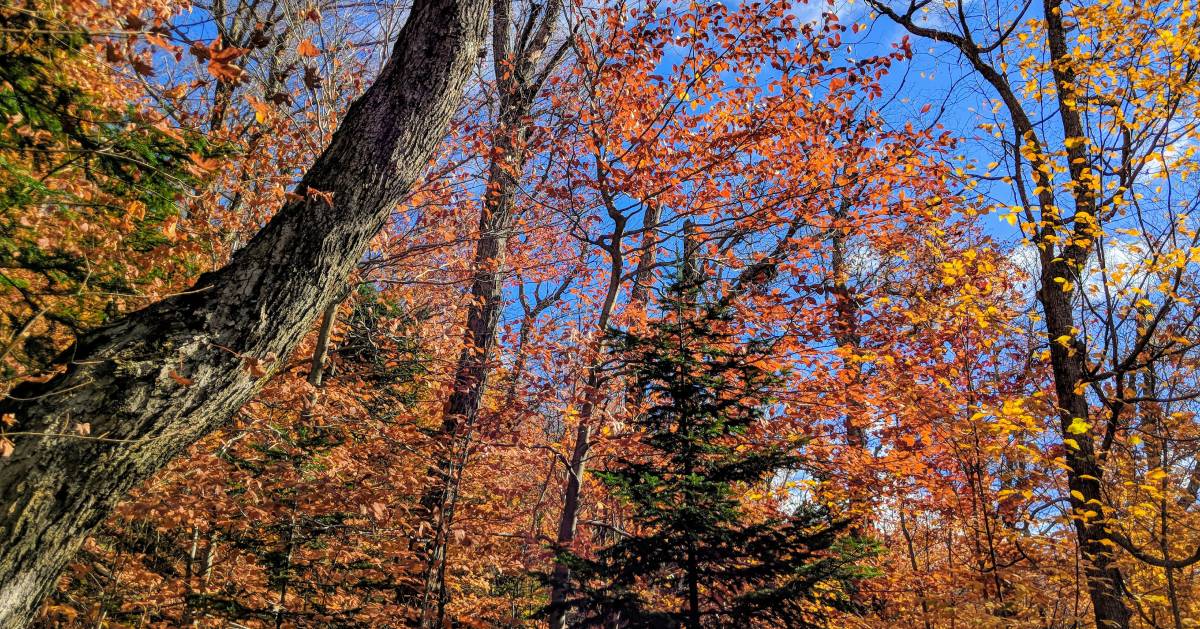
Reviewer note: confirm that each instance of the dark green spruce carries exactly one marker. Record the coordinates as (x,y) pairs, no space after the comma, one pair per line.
(692,556)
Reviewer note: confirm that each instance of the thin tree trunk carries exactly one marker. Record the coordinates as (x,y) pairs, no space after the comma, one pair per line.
(316,373)
(188,575)
(693,587)
(281,606)
(1060,267)
(569,519)
(912,562)
(210,557)
(156,381)
(1105,585)
(518,82)
(846,334)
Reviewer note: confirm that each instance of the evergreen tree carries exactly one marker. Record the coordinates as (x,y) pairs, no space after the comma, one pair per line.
(694,557)
(103,176)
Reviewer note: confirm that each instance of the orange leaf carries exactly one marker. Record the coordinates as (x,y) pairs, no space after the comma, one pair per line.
(161,43)
(307,49)
(182,381)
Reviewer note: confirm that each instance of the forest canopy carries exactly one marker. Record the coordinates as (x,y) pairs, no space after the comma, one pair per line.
(611,313)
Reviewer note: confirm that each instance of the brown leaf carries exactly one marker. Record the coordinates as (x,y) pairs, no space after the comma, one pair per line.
(205,163)
(225,72)
(112,54)
(255,367)
(325,197)
(225,54)
(259,38)
(180,380)
(161,42)
(312,80)
(200,51)
(142,65)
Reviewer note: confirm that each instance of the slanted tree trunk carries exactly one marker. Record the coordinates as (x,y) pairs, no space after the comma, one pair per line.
(156,381)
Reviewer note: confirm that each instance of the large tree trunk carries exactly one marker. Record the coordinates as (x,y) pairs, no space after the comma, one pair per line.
(154,382)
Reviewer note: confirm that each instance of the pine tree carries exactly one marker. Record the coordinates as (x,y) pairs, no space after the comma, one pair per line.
(102,178)
(694,557)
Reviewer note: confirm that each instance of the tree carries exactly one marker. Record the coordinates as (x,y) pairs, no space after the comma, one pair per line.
(150,384)
(1097,148)
(279,518)
(752,165)
(695,556)
(520,73)
(82,160)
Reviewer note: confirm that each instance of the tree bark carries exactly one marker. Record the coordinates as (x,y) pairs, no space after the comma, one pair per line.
(159,379)
(568,521)
(316,372)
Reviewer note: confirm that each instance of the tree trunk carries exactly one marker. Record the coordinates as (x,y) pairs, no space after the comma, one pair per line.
(1104,582)
(1105,586)
(845,326)
(568,521)
(567,525)
(316,372)
(159,379)
(518,82)
(1058,263)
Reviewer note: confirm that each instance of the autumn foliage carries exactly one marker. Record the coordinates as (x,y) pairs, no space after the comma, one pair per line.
(945,369)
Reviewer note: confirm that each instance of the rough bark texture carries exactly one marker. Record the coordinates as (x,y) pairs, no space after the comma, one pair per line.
(1067,362)
(154,382)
